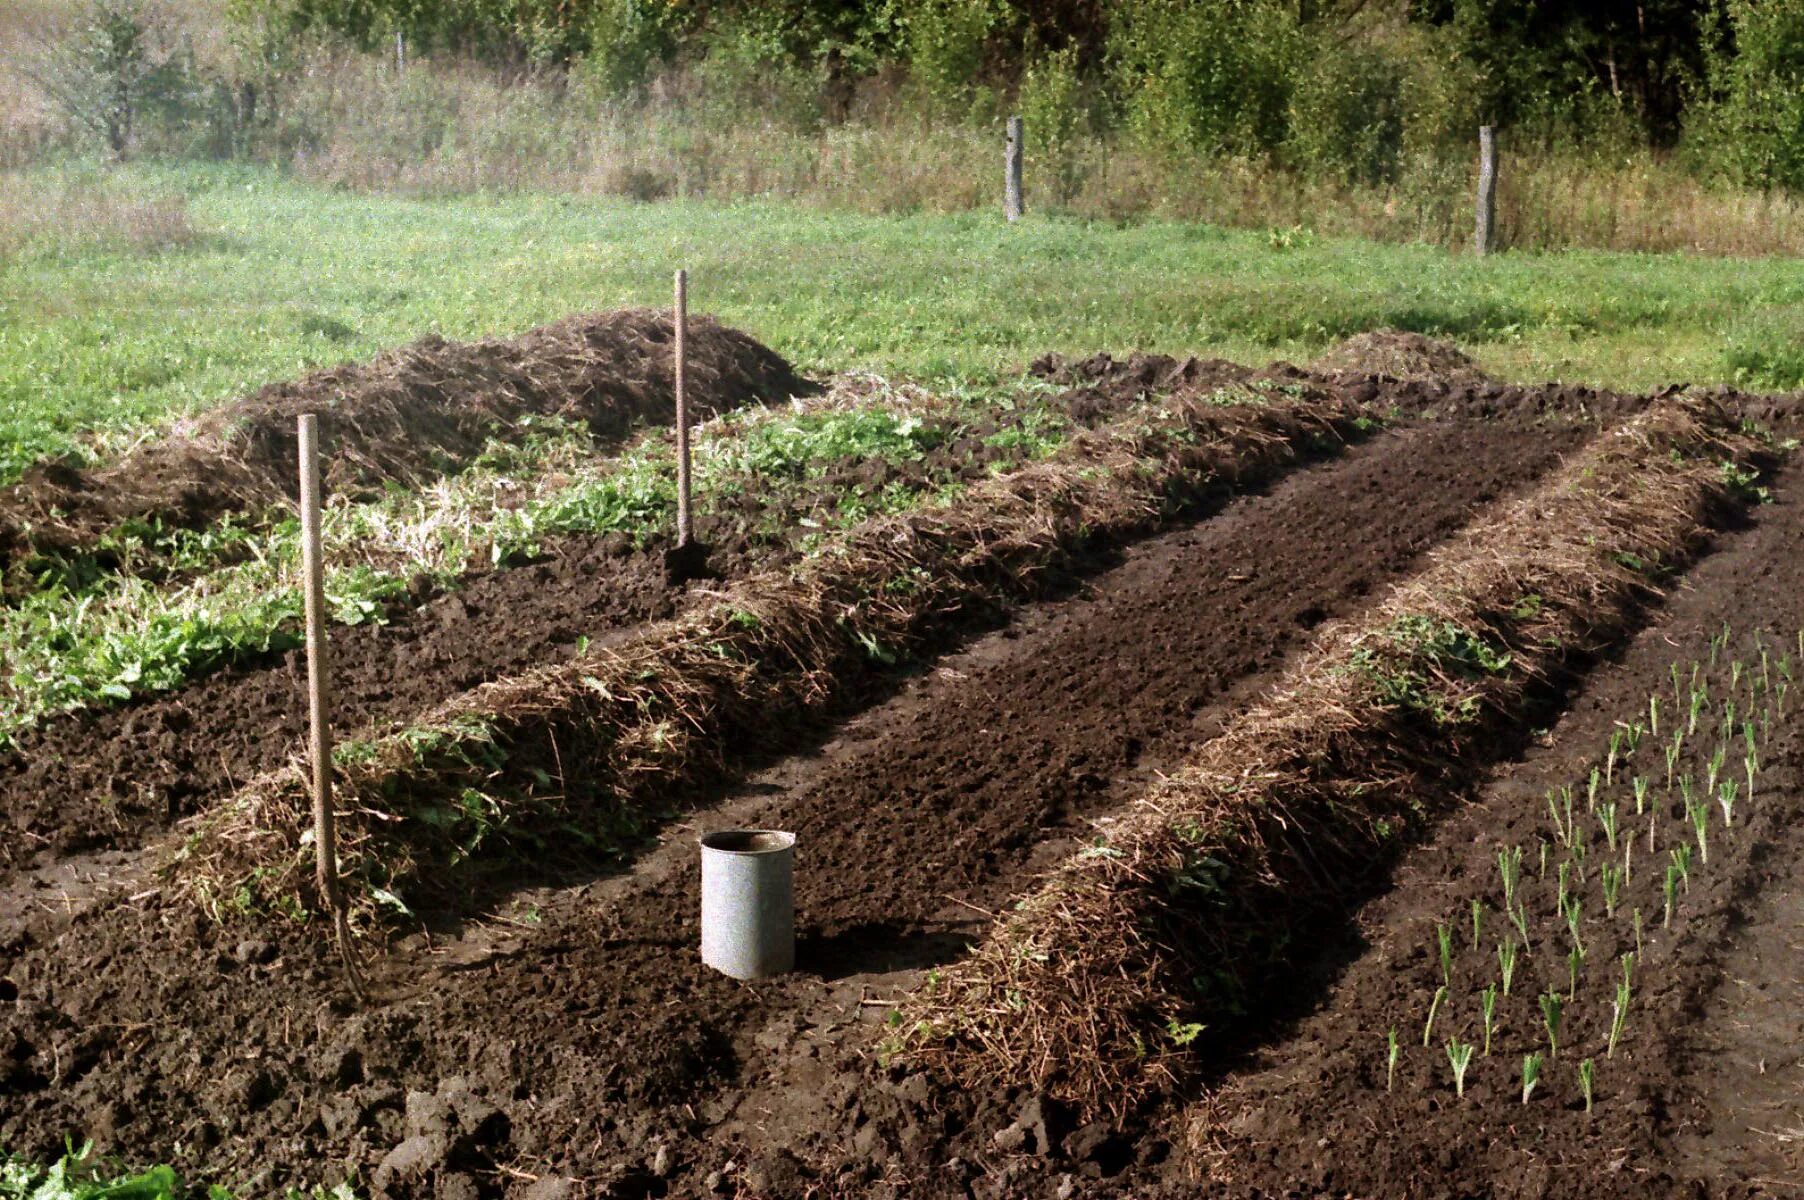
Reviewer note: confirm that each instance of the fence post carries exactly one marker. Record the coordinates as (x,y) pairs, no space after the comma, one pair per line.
(400,53)
(1487,190)
(313,571)
(680,319)
(1011,193)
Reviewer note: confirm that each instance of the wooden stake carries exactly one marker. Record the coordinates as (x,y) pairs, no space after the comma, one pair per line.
(313,569)
(681,321)
(1487,190)
(1011,183)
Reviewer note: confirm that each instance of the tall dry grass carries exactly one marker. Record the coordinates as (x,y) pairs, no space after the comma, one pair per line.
(354,121)
(28,121)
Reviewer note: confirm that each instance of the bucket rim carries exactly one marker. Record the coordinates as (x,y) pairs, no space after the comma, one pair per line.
(748,843)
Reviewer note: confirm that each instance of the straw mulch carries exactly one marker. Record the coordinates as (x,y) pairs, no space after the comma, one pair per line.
(1183,909)
(637,723)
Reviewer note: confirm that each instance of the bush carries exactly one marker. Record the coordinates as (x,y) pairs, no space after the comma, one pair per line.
(1056,114)
(1347,115)
(115,71)
(1751,129)
(748,73)
(1214,76)
(946,41)
(1370,110)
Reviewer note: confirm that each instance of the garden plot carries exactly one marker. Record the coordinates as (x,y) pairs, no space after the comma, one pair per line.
(1686,1091)
(533,551)
(1083,589)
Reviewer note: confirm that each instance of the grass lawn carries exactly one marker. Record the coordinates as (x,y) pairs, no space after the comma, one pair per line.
(286,276)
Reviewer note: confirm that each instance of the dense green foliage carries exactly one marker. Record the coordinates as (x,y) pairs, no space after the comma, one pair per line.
(1361,89)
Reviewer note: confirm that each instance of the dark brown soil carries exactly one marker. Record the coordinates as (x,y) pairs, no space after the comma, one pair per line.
(568,1043)
(407,416)
(1696,1101)
(102,778)
(579,1037)
(1414,394)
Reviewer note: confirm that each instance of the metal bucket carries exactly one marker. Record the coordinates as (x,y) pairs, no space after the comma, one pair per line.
(748,902)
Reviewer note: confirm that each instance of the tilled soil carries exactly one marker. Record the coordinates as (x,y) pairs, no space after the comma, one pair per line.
(1701,1096)
(579,1038)
(98,779)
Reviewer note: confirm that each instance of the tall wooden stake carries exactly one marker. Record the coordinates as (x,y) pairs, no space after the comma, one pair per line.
(1011,182)
(313,569)
(681,320)
(1487,190)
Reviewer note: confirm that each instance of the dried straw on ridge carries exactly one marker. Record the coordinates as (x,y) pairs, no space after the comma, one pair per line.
(1182,907)
(638,720)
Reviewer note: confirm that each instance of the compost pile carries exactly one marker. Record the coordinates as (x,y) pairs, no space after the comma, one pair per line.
(405,417)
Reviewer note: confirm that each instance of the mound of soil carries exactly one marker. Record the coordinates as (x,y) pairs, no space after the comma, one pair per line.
(1458,393)
(408,415)
(1397,356)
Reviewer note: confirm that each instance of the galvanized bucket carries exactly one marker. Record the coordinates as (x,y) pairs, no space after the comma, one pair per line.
(748,902)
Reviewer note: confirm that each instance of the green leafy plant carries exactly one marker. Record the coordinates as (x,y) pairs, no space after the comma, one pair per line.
(1478,918)
(1487,1000)
(1459,1055)
(1573,914)
(1606,817)
(1669,890)
(1519,918)
(1393,1050)
(1725,799)
(1531,1074)
(1550,1020)
(1587,1081)
(1443,935)
(1509,869)
(1554,809)
(1506,962)
(1611,877)
(1699,812)
(1619,1009)
(1434,1007)
(1575,958)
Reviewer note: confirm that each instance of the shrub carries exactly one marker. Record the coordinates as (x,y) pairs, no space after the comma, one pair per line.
(1751,129)
(1214,76)
(115,68)
(946,41)
(1056,112)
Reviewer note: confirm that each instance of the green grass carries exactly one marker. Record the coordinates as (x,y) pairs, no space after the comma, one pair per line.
(286,276)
